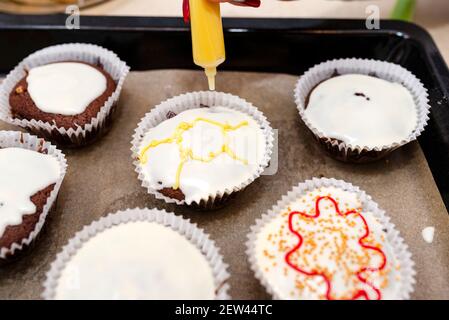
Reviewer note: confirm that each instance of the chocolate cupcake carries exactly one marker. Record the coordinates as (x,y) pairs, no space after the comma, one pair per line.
(138,254)
(327,240)
(32,173)
(361,110)
(201,148)
(66,93)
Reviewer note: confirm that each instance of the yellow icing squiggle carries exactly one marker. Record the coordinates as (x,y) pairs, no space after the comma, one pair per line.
(187,153)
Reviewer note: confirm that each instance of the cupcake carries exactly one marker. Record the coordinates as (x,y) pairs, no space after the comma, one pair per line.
(328,240)
(32,173)
(66,93)
(361,110)
(138,254)
(201,148)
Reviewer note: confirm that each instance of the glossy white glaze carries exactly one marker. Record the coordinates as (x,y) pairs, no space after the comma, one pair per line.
(137,260)
(23,174)
(428,234)
(362,111)
(65,88)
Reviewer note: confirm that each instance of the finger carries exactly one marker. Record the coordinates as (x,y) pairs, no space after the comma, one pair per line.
(246,3)
(186,11)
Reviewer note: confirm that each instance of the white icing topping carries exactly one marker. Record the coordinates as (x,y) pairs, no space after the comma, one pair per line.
(137,260)
(428,234)
(323,247)
(362,111)
(200,179)
(65,88)
(23,173)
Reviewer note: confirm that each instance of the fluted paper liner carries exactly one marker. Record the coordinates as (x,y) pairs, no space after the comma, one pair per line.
(15,139)
(397,243)
(88,53)
(184,227)
(381,69)
(195,100)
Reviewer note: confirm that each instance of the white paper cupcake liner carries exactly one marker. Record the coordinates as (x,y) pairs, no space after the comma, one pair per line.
(397,243)
(384,70)
(15,139)
(184,227)
(88,53)
(196,100)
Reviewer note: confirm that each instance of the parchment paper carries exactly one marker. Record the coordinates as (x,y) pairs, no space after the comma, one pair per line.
(101,180)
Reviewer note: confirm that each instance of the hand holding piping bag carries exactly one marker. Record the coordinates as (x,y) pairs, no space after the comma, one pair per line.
(207,33)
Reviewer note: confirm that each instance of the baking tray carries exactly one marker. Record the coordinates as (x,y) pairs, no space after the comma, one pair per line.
(265,46)
(43,6)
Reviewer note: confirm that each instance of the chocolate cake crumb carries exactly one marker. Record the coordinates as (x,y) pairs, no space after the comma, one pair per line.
(172,193)
(359,94)
(335,74)
(19,90)
(170,115)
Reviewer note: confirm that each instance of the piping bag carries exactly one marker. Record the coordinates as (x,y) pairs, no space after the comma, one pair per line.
(207,36)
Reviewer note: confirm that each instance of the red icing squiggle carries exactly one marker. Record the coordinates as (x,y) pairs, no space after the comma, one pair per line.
(359,293)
